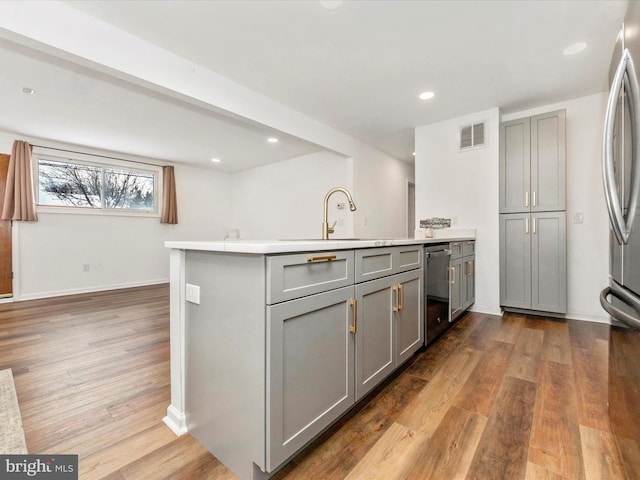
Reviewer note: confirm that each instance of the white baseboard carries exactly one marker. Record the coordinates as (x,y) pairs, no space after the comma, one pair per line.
(588,317)
(100,288)
(582,316)
(486,309)
(176,421)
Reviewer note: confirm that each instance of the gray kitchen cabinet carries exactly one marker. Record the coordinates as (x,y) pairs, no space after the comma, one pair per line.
(549,262)
(461,277)
(375,345)
(277,346)
(515,260)
(533,164)
(410,317)
(297,275)
(310,369)
(389,326)
(372,263)
(468,273)
(455,288)
(533,272)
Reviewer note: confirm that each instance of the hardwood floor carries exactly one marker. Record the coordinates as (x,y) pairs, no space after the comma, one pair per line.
(515,397)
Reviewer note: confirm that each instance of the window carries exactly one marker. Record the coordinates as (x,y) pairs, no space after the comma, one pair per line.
(117,187)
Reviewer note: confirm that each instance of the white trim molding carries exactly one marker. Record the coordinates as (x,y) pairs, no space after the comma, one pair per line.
(176,418)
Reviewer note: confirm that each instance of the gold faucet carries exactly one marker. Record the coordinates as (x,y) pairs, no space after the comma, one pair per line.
(326,229)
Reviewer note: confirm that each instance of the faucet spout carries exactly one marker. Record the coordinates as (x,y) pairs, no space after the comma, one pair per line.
(326,229)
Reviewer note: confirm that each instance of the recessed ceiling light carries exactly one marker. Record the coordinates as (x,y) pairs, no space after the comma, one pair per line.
(272,140)
(331,4)
(574,48)
(28,91)
(426,95)
(216,160)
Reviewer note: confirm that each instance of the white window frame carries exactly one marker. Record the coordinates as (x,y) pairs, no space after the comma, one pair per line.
(63,156)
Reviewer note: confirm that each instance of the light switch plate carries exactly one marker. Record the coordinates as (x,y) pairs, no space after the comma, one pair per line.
(578,217)
(192,293)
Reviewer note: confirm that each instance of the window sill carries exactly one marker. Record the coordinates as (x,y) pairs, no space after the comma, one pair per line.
(94,211)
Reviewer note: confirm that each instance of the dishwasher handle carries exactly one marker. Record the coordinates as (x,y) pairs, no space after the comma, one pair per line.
(438,253)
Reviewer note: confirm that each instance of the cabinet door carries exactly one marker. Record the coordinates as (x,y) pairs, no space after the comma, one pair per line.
(515,260)
(455,288)
(410,315)
(515,165)
(548,163)
(549,262)
(375,348)
(309,369)
(469,281)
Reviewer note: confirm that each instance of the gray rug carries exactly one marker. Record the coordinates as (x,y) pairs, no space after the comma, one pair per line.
(11,434)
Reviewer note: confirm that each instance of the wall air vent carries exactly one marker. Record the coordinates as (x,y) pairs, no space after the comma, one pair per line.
(472,136)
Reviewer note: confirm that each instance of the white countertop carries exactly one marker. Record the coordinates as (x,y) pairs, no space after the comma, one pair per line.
(306,245)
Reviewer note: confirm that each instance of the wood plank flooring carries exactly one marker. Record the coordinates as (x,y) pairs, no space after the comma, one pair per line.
(513,398)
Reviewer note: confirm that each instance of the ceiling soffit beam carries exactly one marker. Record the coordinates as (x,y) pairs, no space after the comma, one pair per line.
(59,30)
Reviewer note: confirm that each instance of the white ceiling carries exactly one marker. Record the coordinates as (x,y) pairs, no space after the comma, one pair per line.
(358,68)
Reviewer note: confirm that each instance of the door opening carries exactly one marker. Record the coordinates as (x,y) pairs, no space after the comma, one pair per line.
(411,209)
(6,275)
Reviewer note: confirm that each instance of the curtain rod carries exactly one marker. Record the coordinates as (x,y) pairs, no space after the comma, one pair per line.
(96,155)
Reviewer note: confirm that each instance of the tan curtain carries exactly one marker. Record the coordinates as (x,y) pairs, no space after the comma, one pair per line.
(169,203)
(18,196)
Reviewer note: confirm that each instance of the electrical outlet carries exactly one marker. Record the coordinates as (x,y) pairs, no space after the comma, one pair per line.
(192,293)
(578,217)
(85,267)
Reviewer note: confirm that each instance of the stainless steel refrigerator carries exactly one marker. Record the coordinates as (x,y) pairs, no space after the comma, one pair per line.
(621,175)
(621,299)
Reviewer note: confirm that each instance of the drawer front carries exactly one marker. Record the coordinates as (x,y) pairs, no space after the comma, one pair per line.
(295,276)
(408,258)
(372,263)
(468,248)
(456,249)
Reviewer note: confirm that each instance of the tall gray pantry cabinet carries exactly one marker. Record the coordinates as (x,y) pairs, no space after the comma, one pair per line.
(533,252)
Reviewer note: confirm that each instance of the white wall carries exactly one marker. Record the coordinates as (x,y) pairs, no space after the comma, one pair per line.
(281,200)
(380,184)
(463,186)
(122,251)
(587,243)
(285,199)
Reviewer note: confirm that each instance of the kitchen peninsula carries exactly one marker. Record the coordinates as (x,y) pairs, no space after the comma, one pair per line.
(273,341)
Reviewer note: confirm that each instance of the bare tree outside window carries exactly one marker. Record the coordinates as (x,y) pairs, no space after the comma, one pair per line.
(79,185)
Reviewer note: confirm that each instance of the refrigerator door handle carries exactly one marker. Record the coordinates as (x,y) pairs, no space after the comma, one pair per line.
(616,313)
(625,75)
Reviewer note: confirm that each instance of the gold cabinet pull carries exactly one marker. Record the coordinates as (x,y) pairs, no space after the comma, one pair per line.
(526,199)
(401,295)
(354,327)
(534,199)
(526,226)
(396,299)
(534,225)
(320,258)
(453,275)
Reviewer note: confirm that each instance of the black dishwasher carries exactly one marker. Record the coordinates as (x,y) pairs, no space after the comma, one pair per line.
(437,291)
